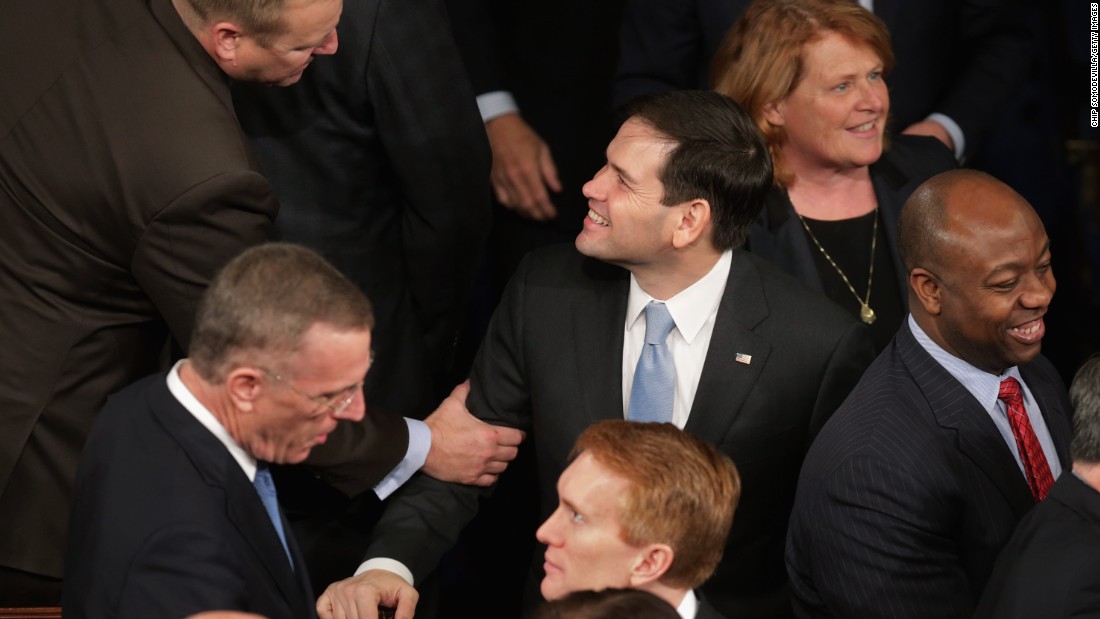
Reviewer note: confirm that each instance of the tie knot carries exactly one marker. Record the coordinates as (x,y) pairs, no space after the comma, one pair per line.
(263,480)
(658,323)
(1010,390)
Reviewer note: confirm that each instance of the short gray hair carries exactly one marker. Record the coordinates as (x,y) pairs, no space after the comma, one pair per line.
(1084,395)
(264,301)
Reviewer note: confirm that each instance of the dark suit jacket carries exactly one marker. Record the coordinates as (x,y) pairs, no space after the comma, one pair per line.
(1051,566)
(552,365)
(961,59)
(706,611)
(125,183)
(380,161)
(381,164)
(909,492)
(166,524)
(557,58)
(778,237)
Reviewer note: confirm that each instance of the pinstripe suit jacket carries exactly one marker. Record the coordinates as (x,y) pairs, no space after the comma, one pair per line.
(909,492)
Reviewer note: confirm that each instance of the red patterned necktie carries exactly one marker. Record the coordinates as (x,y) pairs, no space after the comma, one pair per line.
(1036,468)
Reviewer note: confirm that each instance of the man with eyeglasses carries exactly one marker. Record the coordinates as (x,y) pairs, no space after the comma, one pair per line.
(174,513)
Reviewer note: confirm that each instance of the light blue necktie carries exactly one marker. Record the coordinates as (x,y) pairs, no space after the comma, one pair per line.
(265,487)
(655,377)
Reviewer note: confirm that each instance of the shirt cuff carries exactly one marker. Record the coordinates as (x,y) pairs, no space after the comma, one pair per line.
(420,441)
(390,565)
(496,103)
(953,130)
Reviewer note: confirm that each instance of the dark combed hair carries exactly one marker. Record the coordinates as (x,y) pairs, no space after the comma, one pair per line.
(718,155)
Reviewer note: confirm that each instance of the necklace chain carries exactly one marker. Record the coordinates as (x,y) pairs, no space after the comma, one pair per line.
(865,312)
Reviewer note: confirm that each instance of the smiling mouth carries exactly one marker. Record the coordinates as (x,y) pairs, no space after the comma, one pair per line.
(594,216)
(867,126)
(1028,332)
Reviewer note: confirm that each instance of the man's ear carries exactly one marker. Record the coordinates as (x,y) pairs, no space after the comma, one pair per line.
(692,223)
(244,385)
(227,40)
(928,290)
(650,565)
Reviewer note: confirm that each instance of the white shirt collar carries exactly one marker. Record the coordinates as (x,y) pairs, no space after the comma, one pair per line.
(209,421)
(692,306)
(689,606)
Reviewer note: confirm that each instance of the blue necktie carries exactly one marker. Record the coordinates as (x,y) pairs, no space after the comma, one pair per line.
(265,487)
(655,377)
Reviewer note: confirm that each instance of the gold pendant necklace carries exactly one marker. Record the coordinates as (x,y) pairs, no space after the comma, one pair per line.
(866,314)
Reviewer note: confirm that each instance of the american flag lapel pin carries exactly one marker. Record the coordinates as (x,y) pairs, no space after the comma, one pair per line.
(743,358)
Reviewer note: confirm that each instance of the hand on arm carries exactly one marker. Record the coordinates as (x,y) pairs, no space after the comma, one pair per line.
(465,449)
(360,596)
(523,168)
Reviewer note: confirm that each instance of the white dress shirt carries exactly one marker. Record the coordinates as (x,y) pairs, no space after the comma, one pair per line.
(694,311)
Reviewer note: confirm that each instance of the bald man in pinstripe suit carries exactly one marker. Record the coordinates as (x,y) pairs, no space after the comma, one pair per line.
(918,480)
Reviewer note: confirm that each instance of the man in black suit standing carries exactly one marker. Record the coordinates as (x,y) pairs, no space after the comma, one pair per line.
(758,361)
(125,183)
(956,430)
(380,163)
(1051,566)
(641,506)
(174,510)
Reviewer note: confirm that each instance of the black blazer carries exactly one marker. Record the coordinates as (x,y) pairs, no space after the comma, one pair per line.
(125,184)
(1051,566)
(557,58)
(958,57)
(778,237)
(551,364)
(706,611)
(380,161)
(166,524)
(909,492)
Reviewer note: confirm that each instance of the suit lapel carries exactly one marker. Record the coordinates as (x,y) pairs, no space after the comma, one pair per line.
(725,382)
(598,318)
(246,511)
(956,411)
(243,505)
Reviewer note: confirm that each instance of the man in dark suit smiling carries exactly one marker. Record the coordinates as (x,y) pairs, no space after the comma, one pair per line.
(753,363)
(954,432)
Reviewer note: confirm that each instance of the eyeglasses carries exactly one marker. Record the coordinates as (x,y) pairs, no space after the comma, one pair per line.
(335,403)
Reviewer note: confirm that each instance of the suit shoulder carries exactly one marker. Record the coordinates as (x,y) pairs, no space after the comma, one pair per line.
(790,299)
(563,263)
(919,156)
